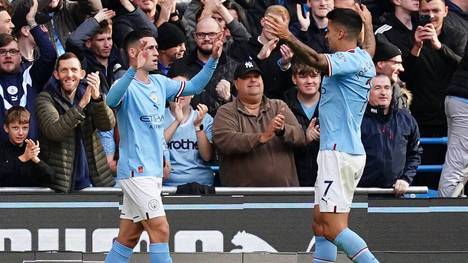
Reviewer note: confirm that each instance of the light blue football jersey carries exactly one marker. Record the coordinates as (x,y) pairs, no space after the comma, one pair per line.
(140,117)
(344,96)
(186,163)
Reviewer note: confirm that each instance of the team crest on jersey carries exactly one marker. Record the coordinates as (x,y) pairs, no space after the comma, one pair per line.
(154,97)
(12,90)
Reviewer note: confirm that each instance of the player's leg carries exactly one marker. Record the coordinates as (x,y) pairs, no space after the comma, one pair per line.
(158,232)
(325,250)
(335,198)
(150,211)
(129,233)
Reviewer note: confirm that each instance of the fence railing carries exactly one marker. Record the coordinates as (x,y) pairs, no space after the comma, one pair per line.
(434,168)
(222,190)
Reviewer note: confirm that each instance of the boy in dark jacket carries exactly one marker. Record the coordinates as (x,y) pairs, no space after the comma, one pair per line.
(19,157)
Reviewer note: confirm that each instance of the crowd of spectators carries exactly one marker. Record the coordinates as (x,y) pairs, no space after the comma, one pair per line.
(258,116)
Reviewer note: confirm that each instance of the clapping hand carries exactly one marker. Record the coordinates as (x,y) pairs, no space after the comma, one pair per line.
(313,131)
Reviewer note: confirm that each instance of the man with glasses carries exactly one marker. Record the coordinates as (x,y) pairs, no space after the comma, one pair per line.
(218,90)
(388,61)
(20,83)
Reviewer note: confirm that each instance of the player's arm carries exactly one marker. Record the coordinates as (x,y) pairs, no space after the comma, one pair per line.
(304,53)
(118,89)
(369,39)
(177,88)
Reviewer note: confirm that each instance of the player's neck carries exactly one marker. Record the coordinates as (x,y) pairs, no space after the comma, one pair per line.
(142,75)
(346,46)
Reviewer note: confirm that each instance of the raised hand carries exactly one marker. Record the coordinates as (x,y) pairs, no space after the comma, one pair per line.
(313,131)
(217,49)
(303,21)
(365,14)
(223,90)
(31,15)
(277,26)
(94,81)
(142,56)
(201,110)
(104,14)
(267,49)
(430,34)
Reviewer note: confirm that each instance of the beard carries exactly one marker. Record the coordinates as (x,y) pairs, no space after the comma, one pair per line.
(205,52)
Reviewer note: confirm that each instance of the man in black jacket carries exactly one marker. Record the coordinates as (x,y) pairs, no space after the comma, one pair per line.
(391,139)
(207,32)
(435,54)
(455,172)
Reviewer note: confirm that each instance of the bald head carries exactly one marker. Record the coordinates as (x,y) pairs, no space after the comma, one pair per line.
(208,23)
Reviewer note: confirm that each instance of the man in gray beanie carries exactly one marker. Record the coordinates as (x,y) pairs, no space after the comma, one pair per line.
(388,61)
(171,41)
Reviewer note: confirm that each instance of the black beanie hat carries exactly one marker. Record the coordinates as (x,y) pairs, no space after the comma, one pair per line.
(169,35)
(384,50)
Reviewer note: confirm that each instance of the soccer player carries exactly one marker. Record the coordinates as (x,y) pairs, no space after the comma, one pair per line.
(341,159)
(139,99)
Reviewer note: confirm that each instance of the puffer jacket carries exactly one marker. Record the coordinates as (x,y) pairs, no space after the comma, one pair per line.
(392,147)
(58,123)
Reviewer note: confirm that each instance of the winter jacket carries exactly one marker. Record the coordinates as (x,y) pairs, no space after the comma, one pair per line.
(29,82)
(392,147)
(58,123)
(305,156)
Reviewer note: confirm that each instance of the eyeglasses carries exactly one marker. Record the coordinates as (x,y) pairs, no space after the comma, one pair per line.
(396,62)
(203,35)
(12,52)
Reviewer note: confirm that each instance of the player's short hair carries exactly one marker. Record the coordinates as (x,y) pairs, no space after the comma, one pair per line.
(348,19)
(6,39)
(65,56)
(134,37)
(278,10)
(17,114)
